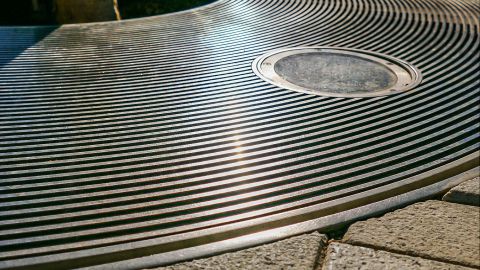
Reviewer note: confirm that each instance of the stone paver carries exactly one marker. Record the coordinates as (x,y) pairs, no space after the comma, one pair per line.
(343,256)
(435,230)
(300,252)
(467,192)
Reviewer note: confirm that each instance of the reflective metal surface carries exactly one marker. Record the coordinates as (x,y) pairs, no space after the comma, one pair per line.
(336,72)
(146,137)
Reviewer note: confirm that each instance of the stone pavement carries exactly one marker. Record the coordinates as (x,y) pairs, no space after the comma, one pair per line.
(344,256)
(466,193)
(426,235)
(435,230)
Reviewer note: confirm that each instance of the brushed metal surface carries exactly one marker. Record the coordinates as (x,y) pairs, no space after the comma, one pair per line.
(126,139)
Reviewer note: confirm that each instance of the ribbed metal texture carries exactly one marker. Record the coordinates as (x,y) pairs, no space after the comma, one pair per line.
(130,138)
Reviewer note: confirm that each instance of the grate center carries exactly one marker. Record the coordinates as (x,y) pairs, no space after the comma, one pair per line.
(336,72)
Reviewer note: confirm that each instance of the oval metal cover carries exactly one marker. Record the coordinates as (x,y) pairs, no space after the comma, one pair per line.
(336,72)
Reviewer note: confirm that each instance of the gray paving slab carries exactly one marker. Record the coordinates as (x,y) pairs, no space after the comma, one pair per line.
(435,230)
(467,192)
(300,252)
(344,256)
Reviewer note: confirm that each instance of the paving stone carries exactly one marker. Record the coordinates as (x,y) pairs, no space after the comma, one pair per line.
(343,256)
(300,252)
(435,230)
(467,192)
